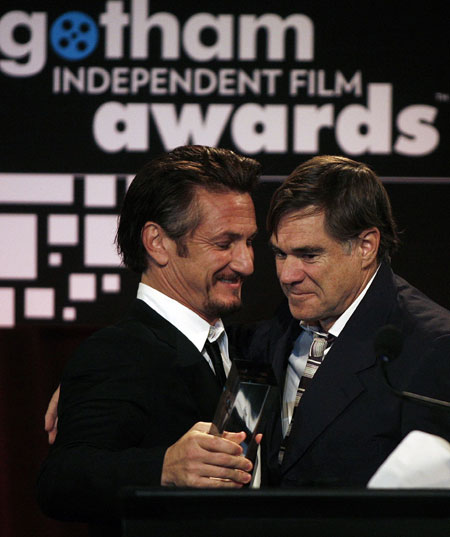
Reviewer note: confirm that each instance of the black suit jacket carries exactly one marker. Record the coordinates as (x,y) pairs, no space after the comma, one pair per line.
(129,392)
(348,421)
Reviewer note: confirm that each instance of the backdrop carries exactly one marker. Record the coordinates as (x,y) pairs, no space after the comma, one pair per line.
(91,90)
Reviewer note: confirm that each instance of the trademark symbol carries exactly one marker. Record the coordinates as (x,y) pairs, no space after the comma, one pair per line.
(442,97)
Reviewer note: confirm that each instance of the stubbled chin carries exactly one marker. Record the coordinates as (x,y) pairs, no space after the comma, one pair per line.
(222,305)
(228,294)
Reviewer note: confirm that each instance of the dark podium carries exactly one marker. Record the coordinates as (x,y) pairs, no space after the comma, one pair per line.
(277,513)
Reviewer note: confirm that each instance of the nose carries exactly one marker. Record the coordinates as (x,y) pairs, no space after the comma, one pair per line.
(290,270)
(242,260)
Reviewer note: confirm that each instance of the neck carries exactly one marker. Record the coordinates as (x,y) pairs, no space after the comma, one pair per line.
(327,323)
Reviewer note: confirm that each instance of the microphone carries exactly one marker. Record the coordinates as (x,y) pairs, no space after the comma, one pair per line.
(388,345)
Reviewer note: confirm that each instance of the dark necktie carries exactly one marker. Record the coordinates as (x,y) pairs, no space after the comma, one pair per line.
(315,357)
(216,357)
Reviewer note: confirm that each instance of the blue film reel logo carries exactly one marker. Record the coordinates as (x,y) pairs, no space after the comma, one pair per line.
(74,35)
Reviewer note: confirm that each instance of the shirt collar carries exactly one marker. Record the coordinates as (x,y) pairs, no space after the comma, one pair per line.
(342,320)
(196,329)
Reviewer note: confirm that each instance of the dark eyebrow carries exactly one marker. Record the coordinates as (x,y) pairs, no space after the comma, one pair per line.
(273,247)
(304,250)
(308,250)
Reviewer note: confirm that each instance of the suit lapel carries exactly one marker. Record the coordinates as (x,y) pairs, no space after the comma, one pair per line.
(198,377)
(285,332)
(334,387)
(191,366)
(336,383)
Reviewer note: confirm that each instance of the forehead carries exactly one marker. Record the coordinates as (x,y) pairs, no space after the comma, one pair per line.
(302,227)
(226,210)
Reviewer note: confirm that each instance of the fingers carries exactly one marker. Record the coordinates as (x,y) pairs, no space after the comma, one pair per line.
(214,451)
(210,476)
(237,438)
(199,473)
(50,421)
(237,473)
(52,433)
(225,461)
(222,479)
(215,483)
(201,426)
(220,444)
(51,417)
(199,459)
(52,411)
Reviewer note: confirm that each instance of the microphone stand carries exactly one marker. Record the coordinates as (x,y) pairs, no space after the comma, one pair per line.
(429,401)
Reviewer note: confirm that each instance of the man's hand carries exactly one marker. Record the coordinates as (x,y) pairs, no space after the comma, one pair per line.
(199,459)
(51,417)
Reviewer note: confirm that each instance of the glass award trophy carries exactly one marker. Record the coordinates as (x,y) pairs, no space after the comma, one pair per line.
(248,397)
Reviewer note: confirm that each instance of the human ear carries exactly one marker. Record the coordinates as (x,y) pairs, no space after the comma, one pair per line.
(369,244)
(153,236)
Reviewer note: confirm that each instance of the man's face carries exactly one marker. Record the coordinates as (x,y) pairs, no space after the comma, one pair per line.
(320,276)
(219,255)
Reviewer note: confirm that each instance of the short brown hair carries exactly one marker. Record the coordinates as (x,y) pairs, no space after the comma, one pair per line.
(349,193)
(164,191)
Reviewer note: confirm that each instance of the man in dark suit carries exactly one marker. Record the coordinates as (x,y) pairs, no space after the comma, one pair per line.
(136,396)
(332,234)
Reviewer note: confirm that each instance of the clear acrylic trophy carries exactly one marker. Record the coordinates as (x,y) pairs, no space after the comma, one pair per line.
(249,395)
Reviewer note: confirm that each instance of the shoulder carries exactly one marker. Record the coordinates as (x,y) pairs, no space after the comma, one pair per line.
(255,339)
(140,334)
(421,314)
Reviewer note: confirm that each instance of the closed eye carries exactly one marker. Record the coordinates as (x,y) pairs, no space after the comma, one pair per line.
(223,245)
(309,257)
(279,254)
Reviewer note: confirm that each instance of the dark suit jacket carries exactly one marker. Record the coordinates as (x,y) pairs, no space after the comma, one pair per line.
(348,421)
(130,391)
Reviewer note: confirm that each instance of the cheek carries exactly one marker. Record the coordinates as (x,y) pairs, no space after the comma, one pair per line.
(327,281)
(341,280)
(217,262)
(278,268)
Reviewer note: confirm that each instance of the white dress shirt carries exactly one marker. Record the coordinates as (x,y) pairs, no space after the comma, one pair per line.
(196,329)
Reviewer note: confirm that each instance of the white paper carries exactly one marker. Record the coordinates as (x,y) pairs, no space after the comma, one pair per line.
(421,460)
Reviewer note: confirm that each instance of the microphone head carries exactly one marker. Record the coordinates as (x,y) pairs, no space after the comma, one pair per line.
(388,342)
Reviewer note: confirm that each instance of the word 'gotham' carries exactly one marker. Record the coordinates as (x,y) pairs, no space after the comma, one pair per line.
(176,40)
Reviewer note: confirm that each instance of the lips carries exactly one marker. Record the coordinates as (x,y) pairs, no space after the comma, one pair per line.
(297,293)
(234,280)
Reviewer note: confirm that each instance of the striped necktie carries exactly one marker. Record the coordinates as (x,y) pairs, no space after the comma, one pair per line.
(316,353)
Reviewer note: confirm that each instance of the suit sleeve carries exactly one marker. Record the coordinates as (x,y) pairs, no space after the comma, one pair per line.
(432,379)
(105,411)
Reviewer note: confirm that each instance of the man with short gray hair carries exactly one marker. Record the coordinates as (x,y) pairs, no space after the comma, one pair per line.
(332,234)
